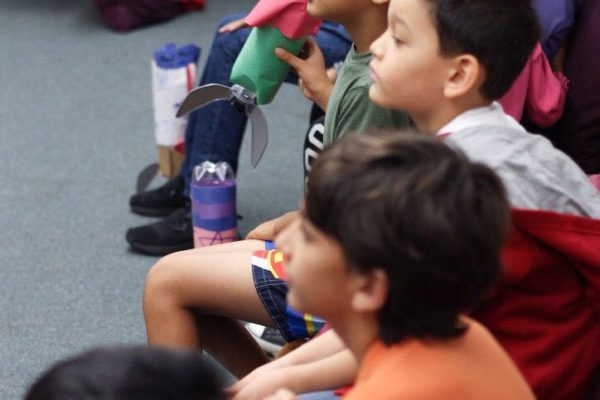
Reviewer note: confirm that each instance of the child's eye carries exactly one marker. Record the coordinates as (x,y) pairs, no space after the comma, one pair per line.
(397,41)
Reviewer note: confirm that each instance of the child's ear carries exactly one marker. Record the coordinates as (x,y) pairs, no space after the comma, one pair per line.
(464,75)
(371,292)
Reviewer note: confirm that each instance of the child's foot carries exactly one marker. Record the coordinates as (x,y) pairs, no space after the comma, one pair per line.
(269,339)
(174,233)
(161,201)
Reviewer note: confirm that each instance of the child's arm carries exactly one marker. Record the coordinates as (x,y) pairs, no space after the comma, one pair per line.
(314,82)
(326,344)
(282,394)
(268,230)
(308,368)
(233,25)
(330,372)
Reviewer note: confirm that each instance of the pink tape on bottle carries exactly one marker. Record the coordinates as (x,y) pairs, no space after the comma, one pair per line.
(288,16)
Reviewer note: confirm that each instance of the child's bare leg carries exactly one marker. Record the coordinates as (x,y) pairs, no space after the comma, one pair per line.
(228,341)
(194,298)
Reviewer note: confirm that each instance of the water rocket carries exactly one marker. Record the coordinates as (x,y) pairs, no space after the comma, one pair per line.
(257,73)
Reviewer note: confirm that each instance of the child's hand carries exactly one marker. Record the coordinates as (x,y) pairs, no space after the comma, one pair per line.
(260,385)
(332,74)
(234,389)
(314,82)
(264,231)
(233,26)
(268,230)
(282,394)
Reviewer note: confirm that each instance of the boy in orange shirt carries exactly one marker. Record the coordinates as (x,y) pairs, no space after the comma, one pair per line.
(445,61)
(381,252)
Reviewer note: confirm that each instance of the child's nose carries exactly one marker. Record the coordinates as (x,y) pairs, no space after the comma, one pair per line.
(376,47)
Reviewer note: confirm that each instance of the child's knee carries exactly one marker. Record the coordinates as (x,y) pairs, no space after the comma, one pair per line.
(162,277)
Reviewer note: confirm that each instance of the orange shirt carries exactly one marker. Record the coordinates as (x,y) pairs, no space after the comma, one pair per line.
(471,367)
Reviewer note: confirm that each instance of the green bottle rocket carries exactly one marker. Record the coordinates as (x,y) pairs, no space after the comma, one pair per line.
(257,73)
(257,68)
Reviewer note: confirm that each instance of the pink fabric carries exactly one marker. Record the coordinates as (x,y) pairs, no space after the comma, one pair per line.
(192,5)
(538,91)
(289,16)
(595,180)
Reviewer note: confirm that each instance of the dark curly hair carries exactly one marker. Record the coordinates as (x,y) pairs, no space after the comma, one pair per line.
(432,220)
(129,373)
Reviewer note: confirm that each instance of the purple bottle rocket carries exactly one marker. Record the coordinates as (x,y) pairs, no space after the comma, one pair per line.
(212,192)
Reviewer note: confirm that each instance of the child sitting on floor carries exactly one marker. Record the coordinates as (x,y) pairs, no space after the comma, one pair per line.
(195,298)
(445,61)
(393,279)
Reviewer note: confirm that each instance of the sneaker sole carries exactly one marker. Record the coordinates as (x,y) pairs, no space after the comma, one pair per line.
(154,250)
(153,211)
(267,346)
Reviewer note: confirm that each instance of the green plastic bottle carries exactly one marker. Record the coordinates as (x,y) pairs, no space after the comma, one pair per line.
(257,68)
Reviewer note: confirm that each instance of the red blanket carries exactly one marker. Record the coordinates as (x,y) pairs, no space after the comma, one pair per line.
(546,311)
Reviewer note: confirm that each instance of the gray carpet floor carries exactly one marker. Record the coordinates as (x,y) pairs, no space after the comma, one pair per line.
(75,129)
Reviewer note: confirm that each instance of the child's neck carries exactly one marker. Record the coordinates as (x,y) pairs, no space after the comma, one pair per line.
(364,29)
(432,122)
(358,332)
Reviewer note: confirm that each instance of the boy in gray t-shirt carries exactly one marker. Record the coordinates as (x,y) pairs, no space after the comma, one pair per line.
(445,62)
(536,175)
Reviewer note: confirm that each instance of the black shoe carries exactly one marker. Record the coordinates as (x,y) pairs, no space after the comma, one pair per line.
(172,234)
(161,201)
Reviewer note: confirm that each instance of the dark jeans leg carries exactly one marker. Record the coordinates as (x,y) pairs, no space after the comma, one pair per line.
(215,132)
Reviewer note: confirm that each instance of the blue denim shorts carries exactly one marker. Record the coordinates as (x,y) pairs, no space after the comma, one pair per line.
(269,280)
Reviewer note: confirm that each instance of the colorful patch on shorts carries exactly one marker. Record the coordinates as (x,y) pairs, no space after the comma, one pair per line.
(303,325)
(271,260)
(300,325)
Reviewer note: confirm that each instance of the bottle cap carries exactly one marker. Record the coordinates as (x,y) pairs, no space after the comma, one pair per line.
(221,171)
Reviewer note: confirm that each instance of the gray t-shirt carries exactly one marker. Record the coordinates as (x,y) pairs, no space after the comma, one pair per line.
(349,109)
(535,174)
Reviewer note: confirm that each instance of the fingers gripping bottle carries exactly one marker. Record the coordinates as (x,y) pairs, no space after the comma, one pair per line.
(214,214)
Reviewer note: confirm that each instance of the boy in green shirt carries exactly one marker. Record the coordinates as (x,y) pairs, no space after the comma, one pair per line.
(195,298)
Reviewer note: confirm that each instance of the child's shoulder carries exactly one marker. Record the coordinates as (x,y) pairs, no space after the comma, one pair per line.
(462,368)
(495,143)
(354,74)
(535,173)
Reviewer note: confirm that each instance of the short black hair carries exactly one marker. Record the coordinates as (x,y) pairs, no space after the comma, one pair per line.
(501,34)
(129,373)
(412,206)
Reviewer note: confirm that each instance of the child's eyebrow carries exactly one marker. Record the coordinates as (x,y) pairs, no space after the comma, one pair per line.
(397,20)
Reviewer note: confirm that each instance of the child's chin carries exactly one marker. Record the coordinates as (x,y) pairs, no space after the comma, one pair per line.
(375,96)
(381,100)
